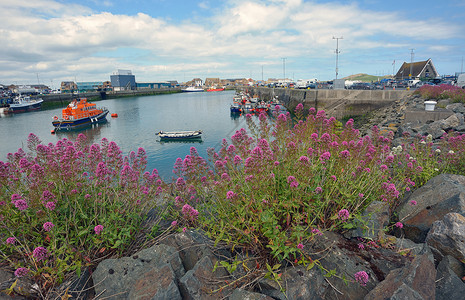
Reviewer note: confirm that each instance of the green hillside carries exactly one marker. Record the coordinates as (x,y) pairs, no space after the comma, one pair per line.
(365,77)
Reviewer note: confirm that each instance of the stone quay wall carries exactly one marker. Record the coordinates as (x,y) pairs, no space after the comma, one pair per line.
(336,103)
(65,98)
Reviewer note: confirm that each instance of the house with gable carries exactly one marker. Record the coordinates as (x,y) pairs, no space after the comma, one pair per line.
(422,70)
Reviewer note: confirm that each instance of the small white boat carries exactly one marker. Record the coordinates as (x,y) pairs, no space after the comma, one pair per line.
(193,89)
(180,135)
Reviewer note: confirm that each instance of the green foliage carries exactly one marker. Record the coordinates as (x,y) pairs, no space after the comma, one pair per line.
(271,192)
(74,203)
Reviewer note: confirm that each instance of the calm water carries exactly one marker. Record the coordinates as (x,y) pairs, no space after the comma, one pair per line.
(139,119)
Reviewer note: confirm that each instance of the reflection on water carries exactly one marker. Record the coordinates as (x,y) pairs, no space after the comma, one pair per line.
(139,119)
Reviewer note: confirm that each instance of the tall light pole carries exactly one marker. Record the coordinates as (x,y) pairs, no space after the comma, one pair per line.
(337,52)
(284,68)
(411,63)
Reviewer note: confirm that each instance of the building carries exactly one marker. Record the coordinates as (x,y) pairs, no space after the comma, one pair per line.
(422,70)
(93,86)
(153,85)
(68,87)
(195,82)
(212,82)
(123,80)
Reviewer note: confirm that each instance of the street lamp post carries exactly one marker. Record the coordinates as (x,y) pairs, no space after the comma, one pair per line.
(284,68)
(337,52)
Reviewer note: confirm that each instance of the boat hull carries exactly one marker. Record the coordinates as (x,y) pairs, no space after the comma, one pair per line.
(18,108)
(180,135)
(62,124)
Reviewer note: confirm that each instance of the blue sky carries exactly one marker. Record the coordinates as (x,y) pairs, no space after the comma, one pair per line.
(50,41)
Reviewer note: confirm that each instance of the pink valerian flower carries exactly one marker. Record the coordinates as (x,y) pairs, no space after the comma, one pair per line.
(230,195)
(48,226)
(413,203)
(343,215)
(50,205)
(316,231)
(11,240)
(225,177)
(383,167)
(20,272)
(362,278)
(174,223)
(325,156)
(361,246)
(237,160)
(304,159)
(290,179)
(40,253)
(399,225)
(189,212)
(333,177)
(184,229)
(360,195)
(344,154)
(276,163)
(318,190)
(21,204)
(300,246)
(294,184)
(98,229)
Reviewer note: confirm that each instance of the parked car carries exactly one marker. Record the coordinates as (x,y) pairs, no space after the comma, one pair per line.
(360,86)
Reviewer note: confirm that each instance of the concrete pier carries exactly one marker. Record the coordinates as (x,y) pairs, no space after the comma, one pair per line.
(336,103)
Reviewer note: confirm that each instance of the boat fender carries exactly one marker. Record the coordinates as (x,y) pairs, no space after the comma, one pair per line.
(55,118)
(66,117)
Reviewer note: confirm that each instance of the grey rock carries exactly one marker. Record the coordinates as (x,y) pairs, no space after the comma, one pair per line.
(114,278)
(441,195)
(241,294)
(415,281)
(448,236)
(377,218)
(450,122)
(202,283)
(299,284)
(156,284)
(448,284)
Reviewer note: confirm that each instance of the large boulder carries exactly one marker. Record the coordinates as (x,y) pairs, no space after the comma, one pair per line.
(441,195)
(415,281)
(116,277)
(448,236)
(448,284)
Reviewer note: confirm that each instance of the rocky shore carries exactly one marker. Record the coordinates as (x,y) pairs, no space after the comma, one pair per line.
(424,259)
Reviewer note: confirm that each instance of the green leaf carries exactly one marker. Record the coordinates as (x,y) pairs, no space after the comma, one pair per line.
(82,232)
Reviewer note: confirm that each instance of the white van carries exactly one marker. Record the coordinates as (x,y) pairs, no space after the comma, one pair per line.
(461,81)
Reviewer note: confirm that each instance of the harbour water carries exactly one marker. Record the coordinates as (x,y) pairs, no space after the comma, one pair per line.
(138,121)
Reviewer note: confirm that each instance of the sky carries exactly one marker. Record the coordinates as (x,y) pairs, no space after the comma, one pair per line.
(50,41)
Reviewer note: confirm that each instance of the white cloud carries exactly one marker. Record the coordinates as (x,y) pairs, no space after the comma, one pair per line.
(48,36)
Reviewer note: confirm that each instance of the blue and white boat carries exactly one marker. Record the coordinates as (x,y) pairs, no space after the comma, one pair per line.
(24,103)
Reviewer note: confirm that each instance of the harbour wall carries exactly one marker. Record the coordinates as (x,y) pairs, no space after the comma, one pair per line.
(336,103)
(66,98)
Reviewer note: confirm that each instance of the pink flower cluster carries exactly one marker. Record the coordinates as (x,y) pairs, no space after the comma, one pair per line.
(40,253)
(343,215)
(189,212)
(362,277)
(98,229)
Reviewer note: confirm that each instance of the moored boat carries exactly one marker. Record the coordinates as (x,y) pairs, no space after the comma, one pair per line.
(235,107)
(79,113)
(24,103)
(180,135)
(215,89)
(193,89)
